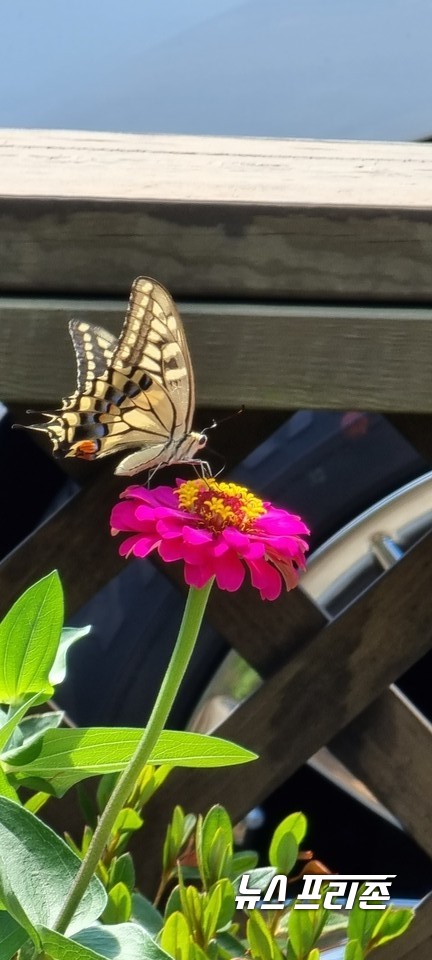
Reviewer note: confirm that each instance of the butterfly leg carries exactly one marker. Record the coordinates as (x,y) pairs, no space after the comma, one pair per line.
(202,467)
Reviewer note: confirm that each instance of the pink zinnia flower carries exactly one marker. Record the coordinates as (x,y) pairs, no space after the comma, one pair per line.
(217,529)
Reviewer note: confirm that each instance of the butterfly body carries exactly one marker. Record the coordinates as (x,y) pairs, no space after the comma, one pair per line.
(137,391)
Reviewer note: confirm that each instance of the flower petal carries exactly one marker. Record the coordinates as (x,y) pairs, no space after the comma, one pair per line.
(230,572)
(266,578)
(144,545)
(123,516)
(127,546)
(169,526)
(171,550)
(198,576)
(195,535)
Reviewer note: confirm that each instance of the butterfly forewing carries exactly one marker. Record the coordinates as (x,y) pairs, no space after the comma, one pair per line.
(153,340)
(134,392)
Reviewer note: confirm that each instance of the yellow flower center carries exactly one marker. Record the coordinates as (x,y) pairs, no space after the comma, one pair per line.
(220,505)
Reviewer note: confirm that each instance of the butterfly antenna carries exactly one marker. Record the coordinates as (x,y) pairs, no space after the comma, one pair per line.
(230,416)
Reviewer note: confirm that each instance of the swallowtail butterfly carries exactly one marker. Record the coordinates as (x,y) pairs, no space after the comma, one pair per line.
(137,391)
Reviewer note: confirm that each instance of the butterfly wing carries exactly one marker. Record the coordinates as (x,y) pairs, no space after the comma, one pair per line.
(137,392)
(94,348)
(152,352)
(153,340)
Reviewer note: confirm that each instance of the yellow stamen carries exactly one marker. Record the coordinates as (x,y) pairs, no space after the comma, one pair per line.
(220,505)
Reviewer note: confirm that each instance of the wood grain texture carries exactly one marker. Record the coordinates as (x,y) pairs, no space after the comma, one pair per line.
(389,748)
(46,163)
(83,213)
(305,703)
(272,356)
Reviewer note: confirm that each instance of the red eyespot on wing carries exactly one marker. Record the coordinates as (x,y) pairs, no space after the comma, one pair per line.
(86,450)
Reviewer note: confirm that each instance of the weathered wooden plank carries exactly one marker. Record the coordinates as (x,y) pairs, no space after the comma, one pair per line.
(272,356)
(305,703)
(66,163)
(83,213)
(416,943)
(389,748)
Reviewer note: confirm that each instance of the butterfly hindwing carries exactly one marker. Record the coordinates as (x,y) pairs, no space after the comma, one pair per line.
(94,348)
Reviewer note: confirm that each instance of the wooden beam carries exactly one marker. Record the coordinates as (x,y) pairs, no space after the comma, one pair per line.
(389,748)
(84,213)
(269,355)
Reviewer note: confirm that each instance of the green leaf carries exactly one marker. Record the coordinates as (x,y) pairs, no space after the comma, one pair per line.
(12,936)
(30,849)
(144,913)
(177,835)
(295,825)
(69,636)
(260,877)
(361,923)
(127,821)
(36,802)
(29,638)
(122,870)
(62,758)
(30,729)
(193,906)
(175,937)
(243,862)
(122,942)
(58,947)
(6,788)
(229,946)
(119,906)
(353,951)
(314,954)
(173,903)
(105,788)
(227,905)
(391,924)
(14,906)
(301,932)
(9,723)
(211,911)
(261,943)
(285,853)
(214,845)
(304,929)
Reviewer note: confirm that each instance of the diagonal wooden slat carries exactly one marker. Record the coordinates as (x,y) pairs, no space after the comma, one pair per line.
(304,704)
(389,748)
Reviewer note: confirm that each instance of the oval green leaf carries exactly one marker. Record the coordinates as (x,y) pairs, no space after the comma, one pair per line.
(29,639)
(30,849)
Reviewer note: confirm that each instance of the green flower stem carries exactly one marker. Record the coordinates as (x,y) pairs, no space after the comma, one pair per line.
(189,629)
